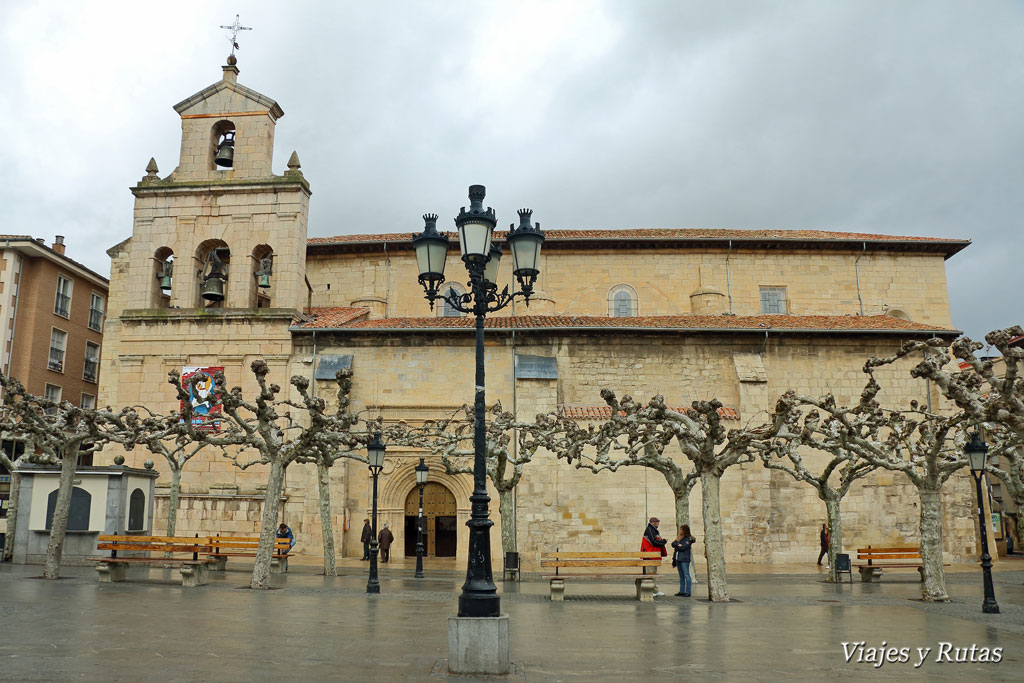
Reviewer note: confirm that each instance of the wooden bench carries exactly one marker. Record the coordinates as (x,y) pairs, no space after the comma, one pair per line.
(223,547)
(193,568)
(603,561)
(878,559)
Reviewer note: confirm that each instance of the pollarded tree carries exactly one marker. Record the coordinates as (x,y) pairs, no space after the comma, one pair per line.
(798,430)
(61,434)
(703,440)
(11,465)
(926,447)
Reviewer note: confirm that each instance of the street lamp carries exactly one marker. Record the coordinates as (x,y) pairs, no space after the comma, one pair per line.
(977,454)
(421,480)
(480,255)
(375,457)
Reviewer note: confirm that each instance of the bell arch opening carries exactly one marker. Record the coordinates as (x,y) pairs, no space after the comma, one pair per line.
(263,281)
(213,264)
(163,277)
(221,156)
(440,521)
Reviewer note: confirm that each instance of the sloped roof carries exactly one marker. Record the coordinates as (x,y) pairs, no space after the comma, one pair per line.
(605,412)
(248,93)
(346,319)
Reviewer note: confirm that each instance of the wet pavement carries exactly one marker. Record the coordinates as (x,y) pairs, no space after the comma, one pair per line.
(782,625)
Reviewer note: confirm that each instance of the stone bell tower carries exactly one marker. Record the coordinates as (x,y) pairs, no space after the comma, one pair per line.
(214,271)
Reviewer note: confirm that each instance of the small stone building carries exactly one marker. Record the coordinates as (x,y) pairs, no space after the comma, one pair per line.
(738,315)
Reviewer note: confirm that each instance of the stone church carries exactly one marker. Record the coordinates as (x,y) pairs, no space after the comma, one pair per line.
(219,271)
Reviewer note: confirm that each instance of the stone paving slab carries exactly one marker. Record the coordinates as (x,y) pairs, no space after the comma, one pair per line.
(326,628)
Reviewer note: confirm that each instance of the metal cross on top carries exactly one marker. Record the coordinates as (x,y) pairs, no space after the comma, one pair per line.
(235,28)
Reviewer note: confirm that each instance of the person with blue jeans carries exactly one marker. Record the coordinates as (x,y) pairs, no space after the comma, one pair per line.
(681,558)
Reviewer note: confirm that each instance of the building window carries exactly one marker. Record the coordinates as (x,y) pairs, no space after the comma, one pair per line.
(58,344)
(88,401)
(52,393)
(62,306)
(92,363)
(773,301)
(622,302)
(96,312)
(446,310)
(78,515)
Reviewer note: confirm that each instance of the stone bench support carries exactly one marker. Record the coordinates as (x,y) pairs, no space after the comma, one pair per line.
(111,572)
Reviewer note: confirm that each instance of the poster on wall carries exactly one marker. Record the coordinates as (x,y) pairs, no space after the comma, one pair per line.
(206,413)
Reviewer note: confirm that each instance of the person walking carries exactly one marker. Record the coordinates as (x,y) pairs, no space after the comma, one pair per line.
(823,539)
(285,532)
(365,537)
(681,558)
(384,540)
(653,542)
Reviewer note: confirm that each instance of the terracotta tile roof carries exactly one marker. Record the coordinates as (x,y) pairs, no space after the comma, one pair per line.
(333,317)
(348,319)
(604,412)
(679,234)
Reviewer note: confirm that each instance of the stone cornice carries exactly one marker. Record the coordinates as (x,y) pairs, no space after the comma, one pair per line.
(212,315)
(248,185)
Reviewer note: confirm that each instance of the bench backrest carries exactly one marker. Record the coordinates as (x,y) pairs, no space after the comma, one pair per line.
(894,553)
(605,560)
(166,544)
(242,543)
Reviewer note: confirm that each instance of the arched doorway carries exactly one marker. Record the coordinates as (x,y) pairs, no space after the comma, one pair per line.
(439,520)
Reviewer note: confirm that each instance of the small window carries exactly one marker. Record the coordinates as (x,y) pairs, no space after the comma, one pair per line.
(96,307)
(622,302)
(58,344)
(62,306)
(91,372)
(53,393)
(773,301)
(78,516)
(88,401)
(446,310)
(137,511)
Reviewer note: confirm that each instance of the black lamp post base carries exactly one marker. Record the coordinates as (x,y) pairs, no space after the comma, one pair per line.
(990,607)
(479,605)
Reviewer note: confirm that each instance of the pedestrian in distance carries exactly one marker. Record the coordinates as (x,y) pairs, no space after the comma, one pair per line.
(365,537)
(285,532)
(652,542)
(681,558)
(823,538)
(385,539)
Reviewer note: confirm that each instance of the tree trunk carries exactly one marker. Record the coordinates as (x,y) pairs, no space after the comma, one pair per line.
(508,520)
(323,481)
(268,528)
(172,501)
(12,516)
(835,535)
(714,548)
(51,569)
(931,546)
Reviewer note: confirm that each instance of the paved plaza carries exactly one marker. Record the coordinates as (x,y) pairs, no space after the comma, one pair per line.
(784,625)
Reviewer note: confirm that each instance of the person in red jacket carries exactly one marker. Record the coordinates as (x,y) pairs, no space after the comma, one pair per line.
(652,543)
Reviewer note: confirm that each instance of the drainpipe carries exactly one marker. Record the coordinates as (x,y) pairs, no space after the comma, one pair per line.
(856,270)
(728,282)
(387,286)
(312,370)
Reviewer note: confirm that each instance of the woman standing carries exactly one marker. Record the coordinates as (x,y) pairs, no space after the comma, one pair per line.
(681,558)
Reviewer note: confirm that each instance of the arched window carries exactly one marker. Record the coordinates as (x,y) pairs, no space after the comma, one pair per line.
(163,277)
(622,302)
(222,146)
(897,313)
(137,511)
(213,262)
(263,281)
(446,310)
(78,516)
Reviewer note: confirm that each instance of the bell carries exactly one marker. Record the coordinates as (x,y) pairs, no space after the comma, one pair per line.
(226,151)
(213,289)
(264,281)
(165,281)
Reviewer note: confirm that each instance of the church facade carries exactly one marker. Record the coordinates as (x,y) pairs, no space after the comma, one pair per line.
(219,271)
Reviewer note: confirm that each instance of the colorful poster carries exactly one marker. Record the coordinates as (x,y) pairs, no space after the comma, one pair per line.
(206,412)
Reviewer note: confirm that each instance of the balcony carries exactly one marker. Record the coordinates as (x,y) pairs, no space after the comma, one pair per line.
(63,306)
(92,370)
(96,319)
(56,362)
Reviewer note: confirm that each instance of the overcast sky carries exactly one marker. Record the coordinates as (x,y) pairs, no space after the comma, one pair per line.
(888,117)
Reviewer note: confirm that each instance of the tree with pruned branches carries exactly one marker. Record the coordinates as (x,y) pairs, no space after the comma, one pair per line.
(11,464)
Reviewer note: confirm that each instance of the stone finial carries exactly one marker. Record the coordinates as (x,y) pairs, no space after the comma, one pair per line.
(294,165)
(148,464)
(151,171)
(118,459)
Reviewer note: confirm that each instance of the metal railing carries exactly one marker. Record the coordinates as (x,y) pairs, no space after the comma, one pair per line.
(56,359)
(95,319)
(63,305)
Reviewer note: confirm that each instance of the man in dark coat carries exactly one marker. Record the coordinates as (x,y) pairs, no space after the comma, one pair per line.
(284,532)
(653,542)
(824,543)
(385,539)
(365,537)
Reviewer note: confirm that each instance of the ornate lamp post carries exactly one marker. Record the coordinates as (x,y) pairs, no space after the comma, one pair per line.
(375,457)
(421,480)
(480,255)
(977,454)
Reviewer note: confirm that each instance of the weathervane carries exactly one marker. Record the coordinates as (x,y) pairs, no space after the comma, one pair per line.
(235,28)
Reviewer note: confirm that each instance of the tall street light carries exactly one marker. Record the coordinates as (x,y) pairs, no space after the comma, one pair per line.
(375,457)
(481,256)
(421,480)
(977,454)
